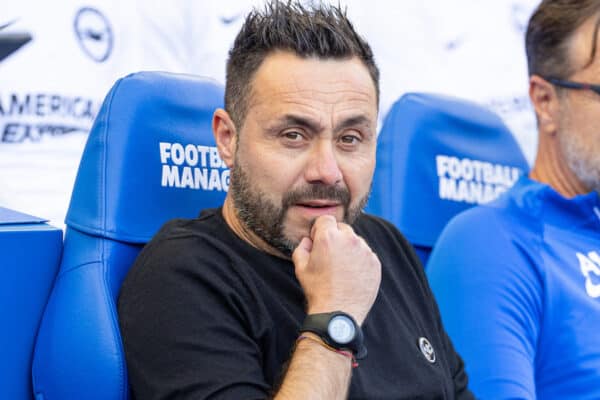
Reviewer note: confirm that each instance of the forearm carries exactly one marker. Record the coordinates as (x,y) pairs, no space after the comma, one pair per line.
(315,372)
(337,271)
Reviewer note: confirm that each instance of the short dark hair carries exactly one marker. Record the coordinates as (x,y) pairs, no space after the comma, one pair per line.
(322,31)
(548,32)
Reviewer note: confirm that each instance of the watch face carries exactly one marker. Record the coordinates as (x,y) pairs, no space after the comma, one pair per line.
(341,329)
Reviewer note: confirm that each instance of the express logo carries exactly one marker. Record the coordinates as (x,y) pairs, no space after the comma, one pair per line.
(94,33)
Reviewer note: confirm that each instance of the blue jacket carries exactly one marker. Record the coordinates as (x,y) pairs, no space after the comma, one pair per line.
(518,286)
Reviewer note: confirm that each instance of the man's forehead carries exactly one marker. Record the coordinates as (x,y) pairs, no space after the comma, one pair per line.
(286,76)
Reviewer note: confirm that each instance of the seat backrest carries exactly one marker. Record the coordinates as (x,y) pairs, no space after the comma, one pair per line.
(437,156)
(150,157)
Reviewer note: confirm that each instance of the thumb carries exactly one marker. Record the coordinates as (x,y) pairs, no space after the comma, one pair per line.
(301,254)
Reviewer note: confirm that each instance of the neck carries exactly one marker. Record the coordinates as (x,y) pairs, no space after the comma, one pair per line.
(243,232)
(551,168)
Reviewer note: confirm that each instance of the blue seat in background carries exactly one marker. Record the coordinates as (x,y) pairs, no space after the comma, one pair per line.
(150,157)
(438,156)
(30,253)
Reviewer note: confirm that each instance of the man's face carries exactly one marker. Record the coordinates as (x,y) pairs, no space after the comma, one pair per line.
(579,120)
(307,146)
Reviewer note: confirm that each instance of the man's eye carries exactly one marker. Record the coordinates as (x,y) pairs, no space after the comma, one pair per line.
(294,136)
(350,139)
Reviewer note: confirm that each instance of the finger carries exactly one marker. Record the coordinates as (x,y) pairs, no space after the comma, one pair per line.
(345,227)
(351,236)
(302,252)
(322,223)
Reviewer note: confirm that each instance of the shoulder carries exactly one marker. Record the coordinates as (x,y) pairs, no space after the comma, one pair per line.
(194,235)
(184,251)
(379,232)
(491,250)
(396,254)
(508,227)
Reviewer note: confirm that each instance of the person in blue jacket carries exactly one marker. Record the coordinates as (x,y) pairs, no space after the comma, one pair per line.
(518,280)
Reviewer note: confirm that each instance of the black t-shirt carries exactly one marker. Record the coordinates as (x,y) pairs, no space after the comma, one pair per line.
(204,314)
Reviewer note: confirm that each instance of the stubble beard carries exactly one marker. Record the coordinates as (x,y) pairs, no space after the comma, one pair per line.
(581,159)
(267,219)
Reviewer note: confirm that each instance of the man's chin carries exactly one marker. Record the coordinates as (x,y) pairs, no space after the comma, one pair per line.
(285,246)
(298,223)
(292,236)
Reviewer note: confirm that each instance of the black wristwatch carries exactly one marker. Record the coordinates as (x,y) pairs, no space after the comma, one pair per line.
(339,330)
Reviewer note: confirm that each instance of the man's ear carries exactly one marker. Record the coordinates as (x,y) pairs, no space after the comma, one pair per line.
(544,99)
(225,135)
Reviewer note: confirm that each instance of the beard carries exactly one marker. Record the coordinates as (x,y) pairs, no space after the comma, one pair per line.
(267,219)
(582,159)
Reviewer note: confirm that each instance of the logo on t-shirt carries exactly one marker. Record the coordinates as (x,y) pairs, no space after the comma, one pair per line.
(94,33)
(427,349)
(590,268)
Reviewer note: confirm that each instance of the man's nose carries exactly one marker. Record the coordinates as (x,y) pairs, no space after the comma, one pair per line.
(323,165)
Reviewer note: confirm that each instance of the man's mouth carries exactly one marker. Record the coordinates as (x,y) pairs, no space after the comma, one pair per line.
(315,208)
(317,204)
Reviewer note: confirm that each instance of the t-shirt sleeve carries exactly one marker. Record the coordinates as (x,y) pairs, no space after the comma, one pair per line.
(455,364)
(460,380)
(488,291)
(186,333)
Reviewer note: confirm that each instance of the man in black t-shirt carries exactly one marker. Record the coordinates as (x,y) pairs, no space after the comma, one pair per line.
(288,286)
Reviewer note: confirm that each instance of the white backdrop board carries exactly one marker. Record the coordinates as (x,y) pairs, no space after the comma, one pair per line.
(58,59)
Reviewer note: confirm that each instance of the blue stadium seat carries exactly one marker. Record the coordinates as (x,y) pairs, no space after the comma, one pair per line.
(150,157)
(30,253)
(438,156)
